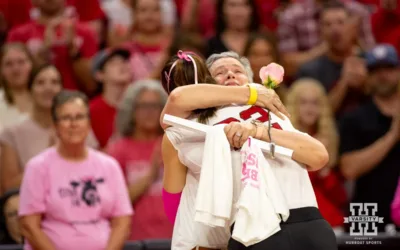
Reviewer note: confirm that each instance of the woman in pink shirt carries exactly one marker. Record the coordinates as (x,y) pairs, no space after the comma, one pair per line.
(137,151)
(147,39)
(396,206)
(73,197)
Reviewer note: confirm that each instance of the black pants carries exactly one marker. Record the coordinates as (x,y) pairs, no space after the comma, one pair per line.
(305,229)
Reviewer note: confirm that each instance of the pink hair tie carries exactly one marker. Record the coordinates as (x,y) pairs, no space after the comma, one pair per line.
(183,56)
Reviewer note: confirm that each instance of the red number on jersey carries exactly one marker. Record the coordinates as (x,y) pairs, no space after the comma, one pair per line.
(247,114)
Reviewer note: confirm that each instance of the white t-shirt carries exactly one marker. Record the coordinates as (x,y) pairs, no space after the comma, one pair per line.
(9,115)
(292,176)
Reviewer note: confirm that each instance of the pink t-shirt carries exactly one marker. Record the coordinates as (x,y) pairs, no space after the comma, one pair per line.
(77,199)
(150,220)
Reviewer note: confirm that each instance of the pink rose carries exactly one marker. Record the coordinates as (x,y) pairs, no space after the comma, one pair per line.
(272,75)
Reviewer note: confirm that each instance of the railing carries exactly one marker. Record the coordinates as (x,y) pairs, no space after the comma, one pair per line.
(380,242)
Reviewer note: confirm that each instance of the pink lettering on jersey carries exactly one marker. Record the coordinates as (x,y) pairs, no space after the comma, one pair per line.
(250,169)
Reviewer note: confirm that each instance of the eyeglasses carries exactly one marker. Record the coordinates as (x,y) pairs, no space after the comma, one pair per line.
(70,118)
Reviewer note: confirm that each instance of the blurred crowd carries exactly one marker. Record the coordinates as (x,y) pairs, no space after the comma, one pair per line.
(342,76)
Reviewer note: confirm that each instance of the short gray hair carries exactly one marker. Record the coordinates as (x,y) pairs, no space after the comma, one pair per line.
(125,119)
(230,54)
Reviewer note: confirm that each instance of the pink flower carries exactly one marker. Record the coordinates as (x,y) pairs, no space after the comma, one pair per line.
(272,75)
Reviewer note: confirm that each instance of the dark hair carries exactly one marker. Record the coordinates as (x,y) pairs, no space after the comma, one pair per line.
(64,97)
(183,74)
(187,41)
(3,51)
(36,71)
(220,24)
(266,36)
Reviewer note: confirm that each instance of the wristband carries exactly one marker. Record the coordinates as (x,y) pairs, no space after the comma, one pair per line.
(253,95)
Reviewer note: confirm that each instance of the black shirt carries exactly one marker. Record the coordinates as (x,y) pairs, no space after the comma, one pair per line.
(359,129)
(216,45)
(328,73)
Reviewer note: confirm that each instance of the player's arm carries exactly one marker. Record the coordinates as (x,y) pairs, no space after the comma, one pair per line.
(174,178)
(185,99)
(306,149)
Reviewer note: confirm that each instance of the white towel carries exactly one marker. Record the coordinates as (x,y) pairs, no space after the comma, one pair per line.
(214,194)
(261,200)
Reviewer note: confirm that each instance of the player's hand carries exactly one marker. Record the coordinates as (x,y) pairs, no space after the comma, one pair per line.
(267,98)
(237,133)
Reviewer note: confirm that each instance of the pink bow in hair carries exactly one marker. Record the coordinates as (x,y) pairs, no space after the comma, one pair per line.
(182,55)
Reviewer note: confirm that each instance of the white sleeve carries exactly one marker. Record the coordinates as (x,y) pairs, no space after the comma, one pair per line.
(287,124)
(184,141)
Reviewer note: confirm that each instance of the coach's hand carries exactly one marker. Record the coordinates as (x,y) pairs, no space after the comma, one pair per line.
(267,98)
(237,133)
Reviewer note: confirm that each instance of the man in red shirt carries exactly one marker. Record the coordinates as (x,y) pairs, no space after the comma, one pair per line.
(56,38)
(112,69)
(18,12)
(386,23)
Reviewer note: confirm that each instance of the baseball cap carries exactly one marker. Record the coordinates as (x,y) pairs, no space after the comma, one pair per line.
(382,55)
(104,55)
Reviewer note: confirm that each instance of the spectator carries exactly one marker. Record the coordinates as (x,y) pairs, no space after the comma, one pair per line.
(9,204)
(19,12)
(261,50)
(111,68)
(311,113)
(395,207)
(120,14)
(370,149)
(199,16)
(147,39)
(236,19)
(70,51)
(73,197)
(340,71)
(386,23)
(21,142)
(15,66)
(298,30)
(138,152)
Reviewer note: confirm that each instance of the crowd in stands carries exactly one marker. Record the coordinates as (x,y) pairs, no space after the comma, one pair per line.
(342,77)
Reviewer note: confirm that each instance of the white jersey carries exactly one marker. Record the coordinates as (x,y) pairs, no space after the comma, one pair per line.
(292,177)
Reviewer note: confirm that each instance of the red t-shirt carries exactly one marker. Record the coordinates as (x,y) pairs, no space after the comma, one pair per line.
(149,220)
(331,196)
(102,116)
(386,27)
(17,12)
(267,13)
(32,34)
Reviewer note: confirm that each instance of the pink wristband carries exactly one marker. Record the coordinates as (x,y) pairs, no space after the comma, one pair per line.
(171,204)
